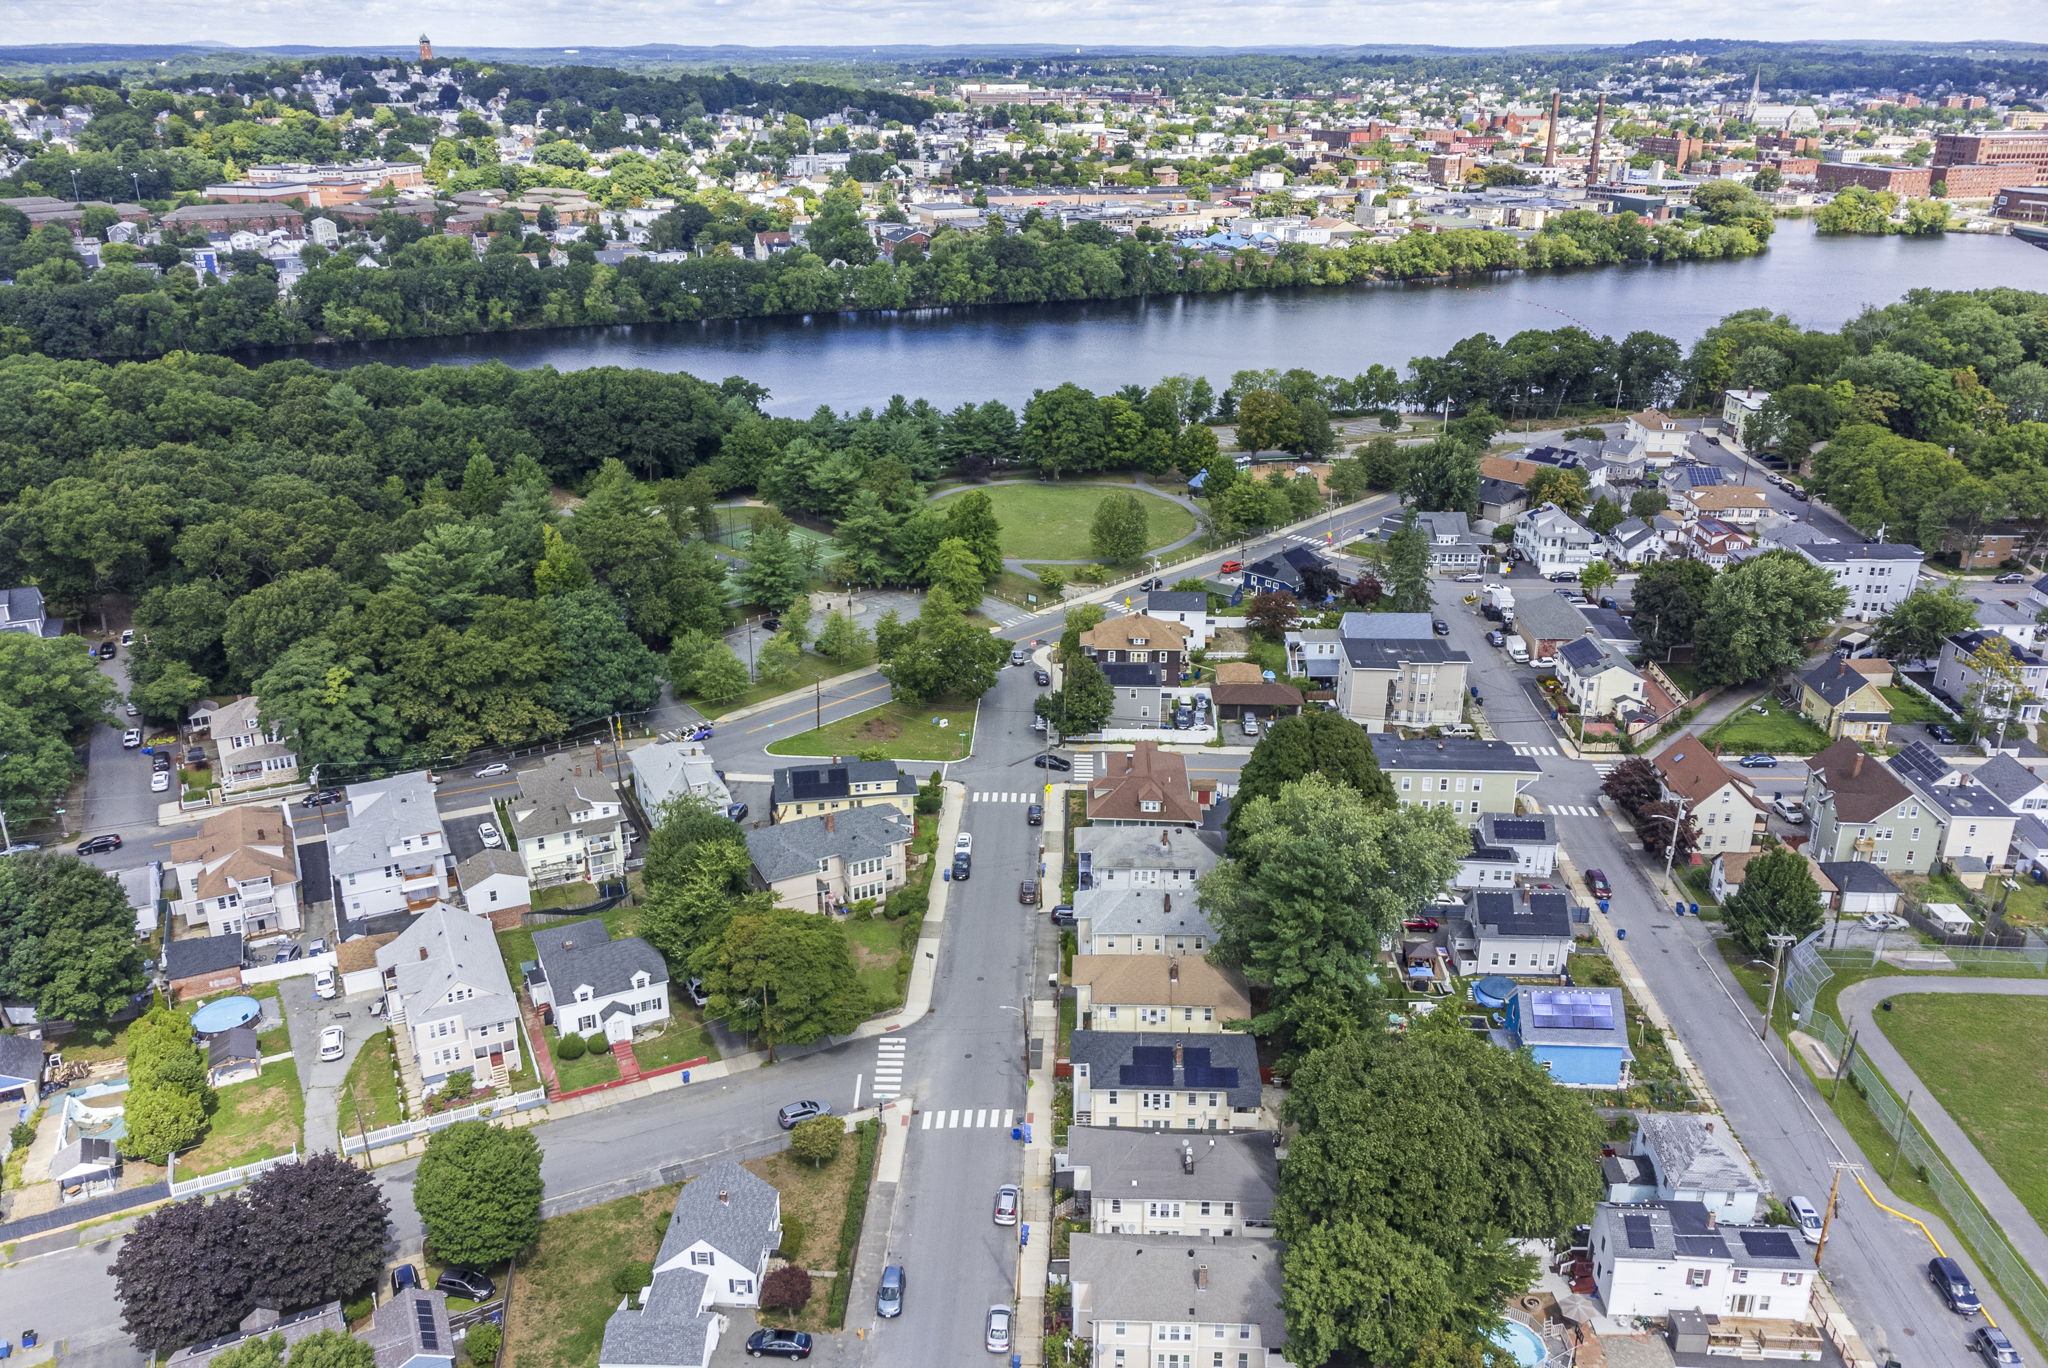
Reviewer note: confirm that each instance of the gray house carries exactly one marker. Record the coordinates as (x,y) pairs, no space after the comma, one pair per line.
(1154,1182)
(596,983)
(1136,690)
(1515,932)
(727,1223)
(823,864)
(1686,1158)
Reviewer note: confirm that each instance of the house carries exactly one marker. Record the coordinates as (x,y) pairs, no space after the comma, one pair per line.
(1552,540)
(1506,848)
(21,610)
(668,770)
(1722,804)
(714,1253)
(1500,500)
(1634,542)
(240,872)
(2013,784)
(1740,505)
(1143,787)
(1315,653)
(261,1323)
(1139,639)
(1183,608)
(493,884)
(595,982)
(1454,547)
(1396,672)
(1469,777)
(1725,875)
(1183,994)
(1150,1301)
(1295,570)
(21,1073)
(1140,921)
(1168,858)
(1714,542)
(1578,1035)
(1860,889)
(1608,625)
(233,1055)
(1655,1258)
(1862,811)
(1546,620)
(1958,674)
(1654,432)
(1681,1157)
(1976,828)
(828,863)
(1255,699)
(410,1330)
(392,857)
(1137,695)
(1598,679)
(1158,1081)
(251,756)
(449,998)
(1515,932)
(1842,701)
(199,965)
(143,887)
(568,823)
(812,790)
(1878,575)
(87,1166)
(1141,1182)
(1737,408)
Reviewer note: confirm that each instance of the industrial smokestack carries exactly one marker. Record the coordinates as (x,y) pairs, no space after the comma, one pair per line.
(1550,143)
(1599,131)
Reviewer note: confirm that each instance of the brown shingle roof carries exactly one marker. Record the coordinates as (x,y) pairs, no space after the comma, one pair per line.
(1163,981)
(1726,496)
(1692,770)
(360,953)
(1136,630)
(1864,789)
(1735,864)
(1513,471)
(1126,780)
(237,846)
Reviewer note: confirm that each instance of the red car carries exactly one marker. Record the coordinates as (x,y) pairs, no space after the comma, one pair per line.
(1421,924)
(1232,567)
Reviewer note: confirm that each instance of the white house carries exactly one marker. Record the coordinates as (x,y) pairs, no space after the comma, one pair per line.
(1653,1258)
(1737,408)
(1878,575)
(251,756)
(1506,848)
(1654,433)
(1552,540)
(393,855)
(240,873)
(1956,676)
(1164,1301)
(1156,859)
(715,1253)
(1515,932)
(596,983)
(1189,609)
(1680,1157)
(1598,679)
(675,769)
(568,822)
(447,993)
(1128,1181)
(494,885)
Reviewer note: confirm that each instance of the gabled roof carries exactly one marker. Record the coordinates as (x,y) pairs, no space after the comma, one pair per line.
(411,1323)
(1154,1165)
(729,1209)
(1834,681)
(1452,753)
(1227,1062)
(583,954)
(1172,601)
(238,846)
(444,949)
(1144,911)
(1163,981)
(788,849)
(1858,876)
(381,815)
(1588,656)
(670,769)
(1863,788)
(195,955)
(1147,848)
(1695,1152)
(829,783)
(1692,770)
(670,1330)
(552,794)
(2007,778)
(1133,674)
(22,1058)
(1501,829)
(1155,1278)
(1546,616)
(1138,631)
(1519,912)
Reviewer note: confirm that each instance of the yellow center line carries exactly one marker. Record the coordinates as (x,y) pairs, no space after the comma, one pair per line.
(809,711)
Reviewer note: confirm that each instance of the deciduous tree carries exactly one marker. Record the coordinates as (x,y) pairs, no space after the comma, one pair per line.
(1916,627)
(184,1274)
(1272,615)
(1760,615)
(818,1141)
(783,976)
(316,1229)
(67,937)
(478,1192)
(1670,597)
(1778,897)
(1120,532)
(1319,742)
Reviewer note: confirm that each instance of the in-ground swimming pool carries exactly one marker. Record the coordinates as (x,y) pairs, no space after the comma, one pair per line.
(1525,1344)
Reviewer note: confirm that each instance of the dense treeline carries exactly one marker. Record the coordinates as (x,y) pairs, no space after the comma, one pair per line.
(437,287)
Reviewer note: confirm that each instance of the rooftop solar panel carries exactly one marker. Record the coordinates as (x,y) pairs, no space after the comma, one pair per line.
(1200,1073)
(1151,1066)
(1639,1234)
(1518,829)
(1769,1244)
(1560,1011)
(429,1337)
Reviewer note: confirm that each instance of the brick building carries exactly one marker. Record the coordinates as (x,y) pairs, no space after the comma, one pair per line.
(1912,181)
(2023,155)
(1675,148)
(2021,203)
(1973,182)
(226,218)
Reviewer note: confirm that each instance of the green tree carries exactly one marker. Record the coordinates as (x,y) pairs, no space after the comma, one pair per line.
(37,764)
(329,706)
(1778,897)
(1320,742)
(1915,628)
(1120,533)
(1647,503)
(1596,575)
(1322,875)
(818,1140)
(720,677)
(1266,421)
(478,1192)
(783,976)
(450,570)
(53,680)
(1555,485)
(1443,477)
(67,938)
(605,667)
(2001,687)
(1063,431)
(698,892)
(779,658)
(1407,568)
(1083,702)
(158,1122)
(334,1349)
(971,518)
(169,693)
(954,568)
(773,578)
(842,640)
(1605,515)
(1761,614)
(945,655)
(561,569)
(267,621)
(1670,597)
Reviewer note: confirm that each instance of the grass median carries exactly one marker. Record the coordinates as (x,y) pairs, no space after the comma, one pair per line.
(895,731)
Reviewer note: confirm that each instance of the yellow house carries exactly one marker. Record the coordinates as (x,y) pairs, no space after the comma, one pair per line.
(814,790)
(1844,702)
(1187,995)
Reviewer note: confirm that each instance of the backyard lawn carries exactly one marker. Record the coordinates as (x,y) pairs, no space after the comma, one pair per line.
(878,950)
(900,731)
(1051,522)
(1772,732)
(1981,1055)
(1910,705)
(564,1294)
(817,1198)
(263,1117)
(373,1086)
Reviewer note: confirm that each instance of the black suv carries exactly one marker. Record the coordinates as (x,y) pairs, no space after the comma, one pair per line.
(466,1282)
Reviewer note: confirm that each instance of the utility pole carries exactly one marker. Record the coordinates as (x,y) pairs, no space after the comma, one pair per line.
(817,705)
(1899,1140)
(1848,1058)
(1779,940)
(1828,1219)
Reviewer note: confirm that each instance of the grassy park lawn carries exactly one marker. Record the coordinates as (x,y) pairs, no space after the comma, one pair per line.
(1772,732)
(1910,705)
(901,731)
(810,668)
(1981,1055)
(373,1085)
(1051,522)
(259,1119)
(564,1296)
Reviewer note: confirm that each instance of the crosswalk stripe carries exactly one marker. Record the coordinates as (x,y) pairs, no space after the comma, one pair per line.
(1536,750)
(968,1118)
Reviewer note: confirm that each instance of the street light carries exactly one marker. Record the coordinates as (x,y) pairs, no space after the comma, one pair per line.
(1671,846)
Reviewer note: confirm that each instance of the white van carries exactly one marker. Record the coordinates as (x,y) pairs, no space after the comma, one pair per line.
(1808,1219)
(1517,652)
(1460,729)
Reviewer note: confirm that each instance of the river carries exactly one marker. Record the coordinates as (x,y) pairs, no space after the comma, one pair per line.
(853,360)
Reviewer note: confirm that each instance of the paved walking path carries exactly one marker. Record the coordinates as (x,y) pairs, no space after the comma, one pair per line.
(1857,1003)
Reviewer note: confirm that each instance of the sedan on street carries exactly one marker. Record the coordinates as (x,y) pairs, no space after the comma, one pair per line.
(1758,762)
(1034,815)
(1051,762)
(1027,893)
(1597,882)
(1440,627)
(1041,678)
(998,1337)
(493,770)
(798,1112)
(789,1344)
(2011,577)
(1470,577)
(99,845)
(1006,1204)
(159,781)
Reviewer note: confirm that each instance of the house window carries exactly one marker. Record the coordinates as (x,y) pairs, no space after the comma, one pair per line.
(1793,1279)
(701,1258)
(741,1287)
(1740,1275)
(1697,1277)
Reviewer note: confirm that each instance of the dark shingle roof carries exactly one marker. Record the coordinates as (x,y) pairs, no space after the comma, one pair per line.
(1131,674)
(1450,752)
(1504,912)
(1227,1062)
(584,953)
(822,783)
(729,1209)
(1170,601)
(202,955)
(790,848)
(1858,876)
(20,1057)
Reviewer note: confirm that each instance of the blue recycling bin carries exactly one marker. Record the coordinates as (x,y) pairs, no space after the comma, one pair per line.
(1692,908)
(30,1339)
(686,1075)
(1678,909)
(945,876)
(1023,1234)
(1603,905)
(1621,933)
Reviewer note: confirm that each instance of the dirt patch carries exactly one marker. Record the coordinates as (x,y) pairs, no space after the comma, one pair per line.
(878,729)
(864,958)
(1229,641)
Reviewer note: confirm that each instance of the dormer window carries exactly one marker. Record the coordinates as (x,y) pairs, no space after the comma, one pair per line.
(583,993)
(1149,805)
(640,979)
(1141,641)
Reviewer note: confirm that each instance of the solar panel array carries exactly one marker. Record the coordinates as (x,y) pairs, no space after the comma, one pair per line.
(423,1309)
(806,783)
(1557,1010)
(1151,1066)
(1769,1244)
(1202,1074)
(1639,1234)
(1518,829)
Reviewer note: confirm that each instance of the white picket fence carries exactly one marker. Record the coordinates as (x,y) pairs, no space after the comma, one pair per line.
(427,1125)
(228,1177)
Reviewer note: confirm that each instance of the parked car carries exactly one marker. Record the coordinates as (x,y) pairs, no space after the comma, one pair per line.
(1544,662)
(107,651)
(1041,678)
(963,843)
(1608,602)
(99,845)
(1231,567)
(1942,732)
(796,1112)
(1954,1285)
(1807,1219)
(1027,893)
(194,755)
(324,797)
(1421,924)
(289,951)
(493,770)
(1034,815)
(131,710)
(1517,652)
(318,946)
(1801,494)
(1250,725)
(1789,808)
(1047,761)
(1994,1347)
(24,847)
(1063,915)
(1496,637)
(160,761)
(487,832)
(2010,577)
(128,636)
(472,1283)
(1469,577)
(789,1344)
(1007,1198)
(997,1338)
(693,989)
(131,739)
(1884,921)
(889,1293)
(159,781)
(1563,576)
(735,812)
(1758,762)
(333,1044)
(324,984)
(1596,883)
(402,1277)
(963,866)
(1440,627)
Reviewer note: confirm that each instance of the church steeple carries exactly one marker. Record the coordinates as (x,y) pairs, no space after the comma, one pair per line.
(426,49)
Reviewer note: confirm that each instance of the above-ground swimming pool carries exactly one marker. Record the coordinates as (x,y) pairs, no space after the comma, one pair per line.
(1525,1344)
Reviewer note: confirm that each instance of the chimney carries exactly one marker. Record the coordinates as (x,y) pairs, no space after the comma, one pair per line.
(1187,1157)
(423,952)
(829,824)
(1176,1054)
(724,1197)
(1710,1127)
(1856,765)
(1599,131)
(1550,143)
(1173,969)
(1201,1276)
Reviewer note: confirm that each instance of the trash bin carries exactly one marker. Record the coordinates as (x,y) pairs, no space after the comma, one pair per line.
(686,1075)
(1603,905)
(1621,933)
(1678,909)
(1693,908)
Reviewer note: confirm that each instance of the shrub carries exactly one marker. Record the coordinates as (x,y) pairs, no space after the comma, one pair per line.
(787,1288)
(817,1141)
(628,1280)
(22,1136)
(596,1043)
(904,901)
(792,1235)
(569,1047)
(482,1341)
(460,1085)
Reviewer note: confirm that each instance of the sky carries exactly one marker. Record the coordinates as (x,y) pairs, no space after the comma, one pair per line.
(1224,23)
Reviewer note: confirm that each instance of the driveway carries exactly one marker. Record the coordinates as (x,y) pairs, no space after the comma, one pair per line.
(308,1016)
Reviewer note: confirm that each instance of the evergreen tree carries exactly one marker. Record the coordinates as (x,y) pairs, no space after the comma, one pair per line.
(971,518)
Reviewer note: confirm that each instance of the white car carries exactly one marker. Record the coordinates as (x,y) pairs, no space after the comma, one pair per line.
(324,986)
(997,1339)
(1544,662)
(487,832)
(1470,577)
(131,710)
(1791,809)
(492,771)
(333,1044)
(131,738)
(1883,921)
(963,844)
(128,637)
(160,781)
